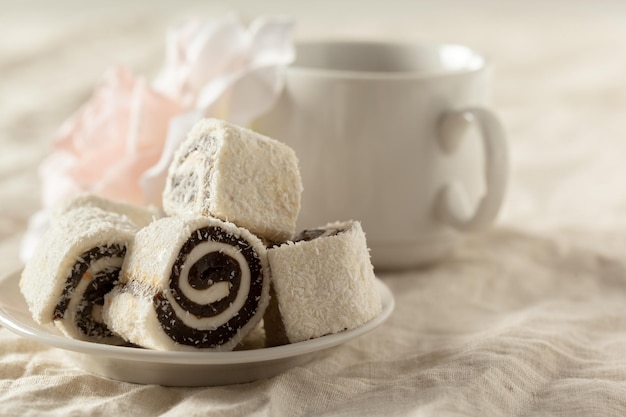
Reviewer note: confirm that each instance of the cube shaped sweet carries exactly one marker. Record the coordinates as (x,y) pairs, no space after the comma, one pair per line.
(236,175)
(322,283)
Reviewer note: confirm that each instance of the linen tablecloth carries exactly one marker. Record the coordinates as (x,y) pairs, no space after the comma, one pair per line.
(526,318)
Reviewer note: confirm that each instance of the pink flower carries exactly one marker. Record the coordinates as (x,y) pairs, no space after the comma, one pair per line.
(110,142)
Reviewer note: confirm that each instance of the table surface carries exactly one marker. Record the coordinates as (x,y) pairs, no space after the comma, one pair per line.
(525,318)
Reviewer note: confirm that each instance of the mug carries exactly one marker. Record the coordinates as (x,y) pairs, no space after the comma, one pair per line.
(397,136)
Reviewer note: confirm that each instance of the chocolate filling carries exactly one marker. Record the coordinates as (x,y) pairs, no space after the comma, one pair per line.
(307,235)
(101,283)
(211,268)
(310,234)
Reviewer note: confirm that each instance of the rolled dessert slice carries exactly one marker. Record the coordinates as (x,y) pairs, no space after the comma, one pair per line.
(190,283)
(75,264)
(236,175)
(322,283)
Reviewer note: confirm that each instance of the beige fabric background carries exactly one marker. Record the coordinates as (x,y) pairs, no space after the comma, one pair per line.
(525,319)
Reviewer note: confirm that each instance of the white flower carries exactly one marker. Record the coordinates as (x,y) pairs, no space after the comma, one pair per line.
(220,69)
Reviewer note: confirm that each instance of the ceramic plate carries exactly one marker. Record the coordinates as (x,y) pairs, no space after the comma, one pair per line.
(174,368)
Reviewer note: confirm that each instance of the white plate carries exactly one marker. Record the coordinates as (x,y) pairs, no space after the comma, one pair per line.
(174,368)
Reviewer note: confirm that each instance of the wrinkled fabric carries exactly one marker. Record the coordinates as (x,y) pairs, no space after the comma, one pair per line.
(527,318)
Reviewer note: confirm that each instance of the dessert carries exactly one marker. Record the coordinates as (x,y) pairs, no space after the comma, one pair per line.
(190,283)
(76,263)
(237,175)
(203,278)
(139,215)
(322,283)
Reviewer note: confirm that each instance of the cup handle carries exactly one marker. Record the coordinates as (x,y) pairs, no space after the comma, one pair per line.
(452,204)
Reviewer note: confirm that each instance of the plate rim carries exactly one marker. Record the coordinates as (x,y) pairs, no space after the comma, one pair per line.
(27,331)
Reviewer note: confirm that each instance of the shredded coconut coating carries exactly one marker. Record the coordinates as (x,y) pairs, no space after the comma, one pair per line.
(147,269)
(139,215)
(236,175)
(70,235)
(322,286)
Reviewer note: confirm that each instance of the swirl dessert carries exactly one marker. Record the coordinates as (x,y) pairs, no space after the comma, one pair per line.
(236,175)
(76,263)
(190,283)
(322,283)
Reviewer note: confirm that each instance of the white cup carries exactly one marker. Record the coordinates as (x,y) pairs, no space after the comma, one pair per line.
(397,136)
